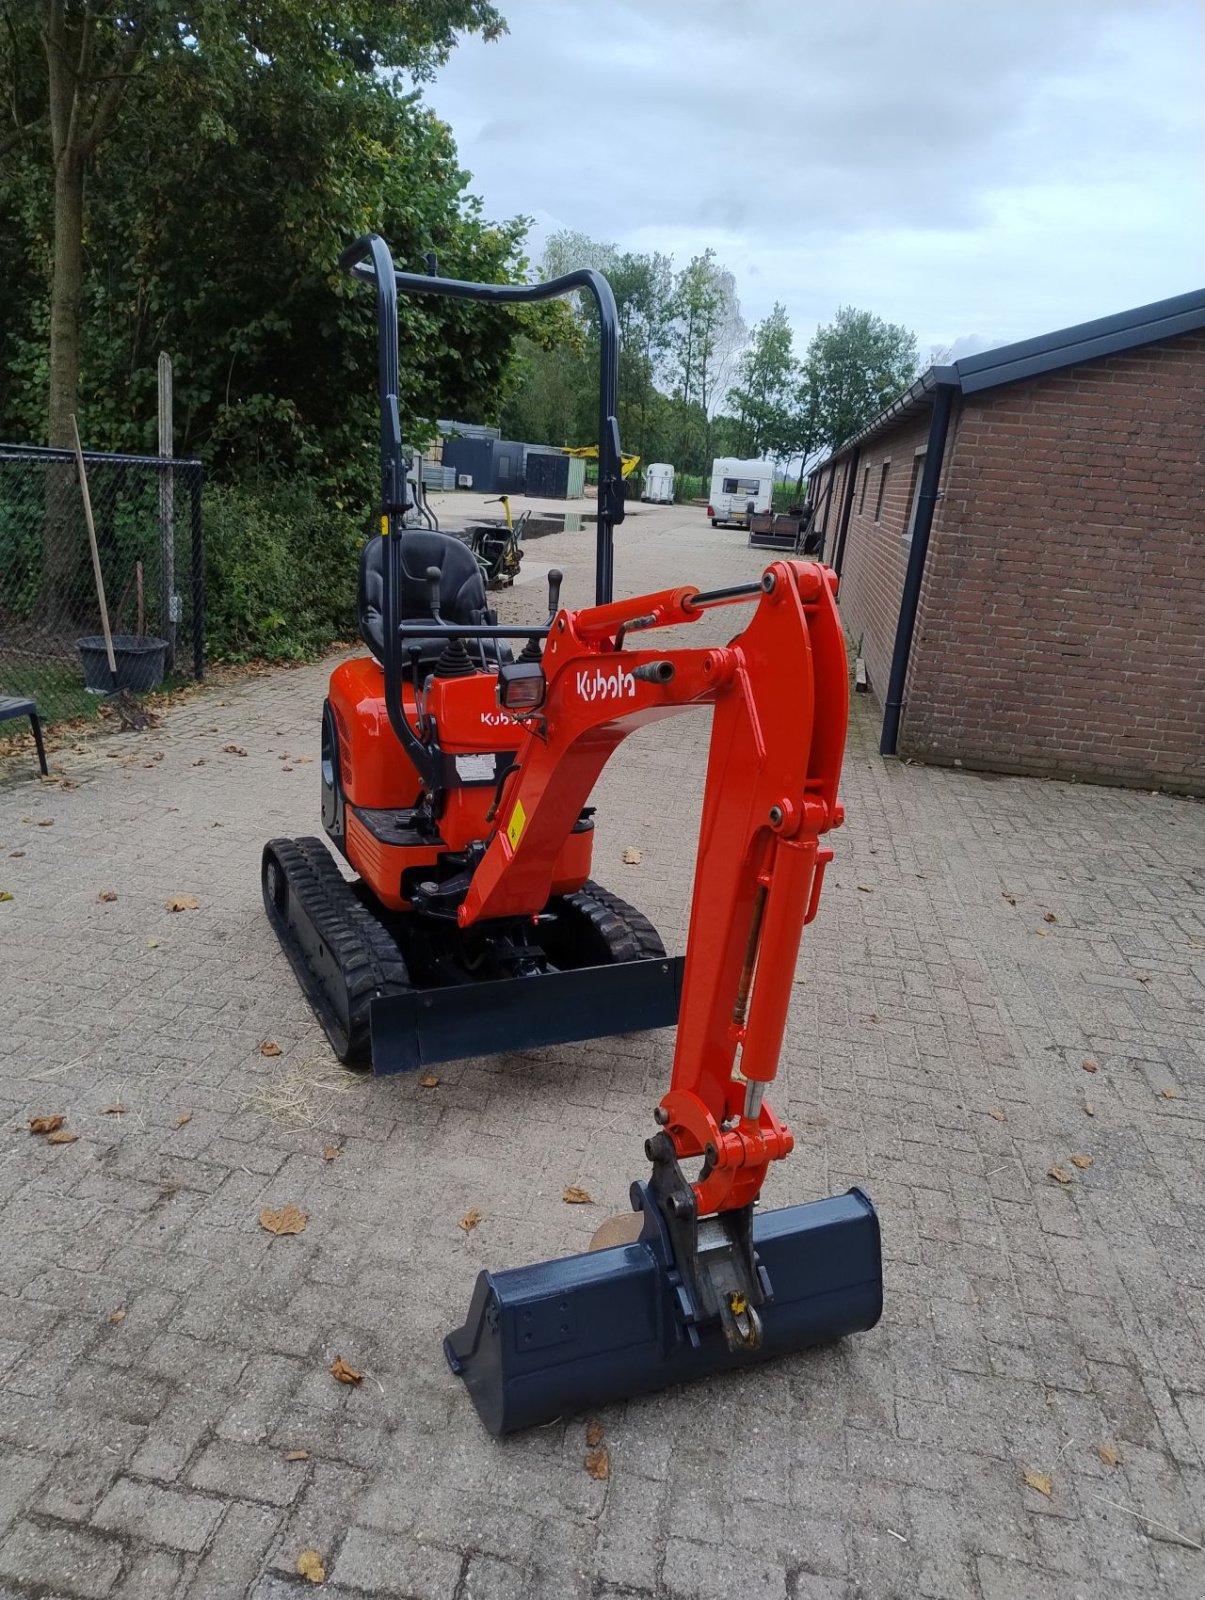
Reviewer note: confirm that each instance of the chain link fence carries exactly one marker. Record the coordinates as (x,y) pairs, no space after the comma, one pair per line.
(147,514)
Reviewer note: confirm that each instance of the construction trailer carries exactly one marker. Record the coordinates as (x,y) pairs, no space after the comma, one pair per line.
(490,466)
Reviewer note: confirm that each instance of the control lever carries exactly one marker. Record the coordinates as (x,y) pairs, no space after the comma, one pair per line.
(555,579)
(433,580)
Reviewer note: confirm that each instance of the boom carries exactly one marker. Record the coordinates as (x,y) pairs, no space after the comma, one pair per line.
(780,698)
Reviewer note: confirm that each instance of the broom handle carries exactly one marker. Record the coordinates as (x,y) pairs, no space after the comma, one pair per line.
(96,572)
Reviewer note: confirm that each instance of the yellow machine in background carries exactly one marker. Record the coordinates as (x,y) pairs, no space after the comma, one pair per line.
(589,452)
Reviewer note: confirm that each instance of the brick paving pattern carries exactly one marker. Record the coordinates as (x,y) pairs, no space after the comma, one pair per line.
(162,1356)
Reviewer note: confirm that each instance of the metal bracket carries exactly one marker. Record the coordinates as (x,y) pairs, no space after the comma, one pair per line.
(719,1271)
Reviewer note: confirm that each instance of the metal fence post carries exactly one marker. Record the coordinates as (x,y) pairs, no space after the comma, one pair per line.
(169,604)
(196,479)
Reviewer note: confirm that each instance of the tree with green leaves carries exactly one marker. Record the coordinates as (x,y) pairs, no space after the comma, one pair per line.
(765,396)
(856,366)
(708,333)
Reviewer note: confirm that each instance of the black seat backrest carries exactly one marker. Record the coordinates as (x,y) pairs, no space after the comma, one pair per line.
(461,588)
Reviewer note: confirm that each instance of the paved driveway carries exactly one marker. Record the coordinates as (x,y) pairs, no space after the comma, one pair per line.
(1006,975)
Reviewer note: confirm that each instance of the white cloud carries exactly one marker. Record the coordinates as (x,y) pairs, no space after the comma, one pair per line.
(1010,166)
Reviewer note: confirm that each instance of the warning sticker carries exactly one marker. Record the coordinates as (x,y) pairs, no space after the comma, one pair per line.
(514,828)
(475,769)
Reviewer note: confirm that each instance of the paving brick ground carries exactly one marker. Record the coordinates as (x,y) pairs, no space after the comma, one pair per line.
(979,941)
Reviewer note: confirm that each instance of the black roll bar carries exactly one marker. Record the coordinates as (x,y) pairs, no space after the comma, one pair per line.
(369,260)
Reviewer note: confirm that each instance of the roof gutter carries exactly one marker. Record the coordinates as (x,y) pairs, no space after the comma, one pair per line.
(926,505)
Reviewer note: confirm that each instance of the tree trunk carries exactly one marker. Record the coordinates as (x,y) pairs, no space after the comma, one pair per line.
(61,528)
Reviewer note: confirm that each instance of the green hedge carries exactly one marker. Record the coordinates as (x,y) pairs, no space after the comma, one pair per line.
(280,571)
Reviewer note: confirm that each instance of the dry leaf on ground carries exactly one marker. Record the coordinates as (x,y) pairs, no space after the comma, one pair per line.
(45,1124)
(1059,1175)
(1041,1482)
(1169,1094)
(1089,1109)
(470,1219)
(1081,1162)
(598,1463)
(996,1114)
(287,1219)
(183,902)
(1049,916)
(119,1315)
(1108,1455)
(234,750)
(269,1048)
(297,1455)
(1088,1064)
(330,1153)
(429,1082)
(46,822)
(632,857)
(62,1136)
(6,894)
(115,1110)
(575,1195)
(594,1434)
(309,1565)
(864,889)
(152,944)
(344,1373)
(1011,898)
(107,894)
(184,1119)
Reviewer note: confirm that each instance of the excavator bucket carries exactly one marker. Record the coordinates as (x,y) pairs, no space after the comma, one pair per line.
(546,1341)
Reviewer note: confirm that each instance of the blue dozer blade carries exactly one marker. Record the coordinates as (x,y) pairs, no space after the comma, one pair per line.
(564,1336)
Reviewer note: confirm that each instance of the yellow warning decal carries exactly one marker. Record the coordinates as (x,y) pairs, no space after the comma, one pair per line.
(514,828)
(384,527)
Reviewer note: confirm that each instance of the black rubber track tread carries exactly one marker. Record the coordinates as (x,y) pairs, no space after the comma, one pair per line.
(369,962)
(627,933)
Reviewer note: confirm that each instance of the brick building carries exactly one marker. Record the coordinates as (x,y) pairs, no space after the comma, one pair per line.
(1021,543)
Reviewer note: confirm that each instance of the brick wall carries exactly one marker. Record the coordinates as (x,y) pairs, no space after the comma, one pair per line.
(1062,620)
(876,546)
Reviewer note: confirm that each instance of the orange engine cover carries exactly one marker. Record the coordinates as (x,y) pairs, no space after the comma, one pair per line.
(473,731)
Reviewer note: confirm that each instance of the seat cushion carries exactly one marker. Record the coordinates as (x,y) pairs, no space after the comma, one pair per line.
(461,596)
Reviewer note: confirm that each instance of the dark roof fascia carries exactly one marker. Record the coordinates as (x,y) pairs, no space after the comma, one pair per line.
(1031,358)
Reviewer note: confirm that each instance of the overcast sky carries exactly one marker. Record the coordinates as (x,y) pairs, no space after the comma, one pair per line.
(979,170)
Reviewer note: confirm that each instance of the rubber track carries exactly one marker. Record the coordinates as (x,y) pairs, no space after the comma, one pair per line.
(369,962)
(627,933)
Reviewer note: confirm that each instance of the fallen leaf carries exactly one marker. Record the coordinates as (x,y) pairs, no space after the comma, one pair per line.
(1089,1109)
(119,1315)
(46,822)
(6,894)
(1088,1064)
(62,1136)
(470,1219)
(183,902)
(598,1463)
(269,1048)
(1011,898)
(1082,1162)
(1169,1094)
(594,1434)
(997,1115)
(286,769)
(234,750)
(1040,1482)
(344,1373)
(1108,1455)
(297,1455)
(632,857)
(309,1565)
(152,944)
(45,1124)
(429,1082)
(1059,1175)
(16,854)
(107,894)
(1042,933)
(331,1151)
(1049,916)
(302,761)
(575,1195)
(288,1219)
(200,762)
(1144,980)
(184,1119)
(862,889)
(115,1110)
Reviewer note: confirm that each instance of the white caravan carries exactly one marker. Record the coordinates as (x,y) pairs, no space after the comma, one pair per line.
(738,487)
(658,483)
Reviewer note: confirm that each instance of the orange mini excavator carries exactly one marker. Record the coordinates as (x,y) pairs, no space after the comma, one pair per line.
(455,781)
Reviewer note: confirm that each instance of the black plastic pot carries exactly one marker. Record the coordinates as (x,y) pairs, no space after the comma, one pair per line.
(140,662)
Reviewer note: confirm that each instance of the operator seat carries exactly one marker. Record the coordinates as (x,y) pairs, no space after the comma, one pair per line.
(461,596)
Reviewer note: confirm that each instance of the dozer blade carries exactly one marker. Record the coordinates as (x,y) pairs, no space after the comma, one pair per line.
(424,1026)
(546,1341)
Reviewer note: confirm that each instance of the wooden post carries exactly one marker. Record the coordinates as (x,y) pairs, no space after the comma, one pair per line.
(97,574)
(169,604)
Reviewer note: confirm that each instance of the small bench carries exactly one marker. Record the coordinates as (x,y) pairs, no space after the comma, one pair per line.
(12,706)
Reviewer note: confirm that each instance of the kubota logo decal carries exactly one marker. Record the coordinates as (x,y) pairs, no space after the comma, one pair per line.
(600,685)
(495,719)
